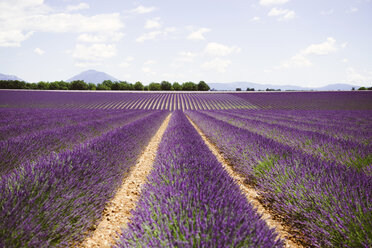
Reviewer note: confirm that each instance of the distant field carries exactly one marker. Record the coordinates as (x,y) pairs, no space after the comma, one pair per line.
(307,156)
(352,100)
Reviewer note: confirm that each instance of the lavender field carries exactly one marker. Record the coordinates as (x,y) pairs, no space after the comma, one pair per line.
(307,155)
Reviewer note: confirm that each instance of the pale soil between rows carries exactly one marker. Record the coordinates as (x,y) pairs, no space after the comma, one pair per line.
(250,193)
(117,212)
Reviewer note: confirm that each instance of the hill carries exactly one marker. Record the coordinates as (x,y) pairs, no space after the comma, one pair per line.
(9,77)
(92,76)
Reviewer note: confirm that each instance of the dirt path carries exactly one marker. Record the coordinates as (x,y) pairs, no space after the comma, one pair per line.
(117,212)
(249,192)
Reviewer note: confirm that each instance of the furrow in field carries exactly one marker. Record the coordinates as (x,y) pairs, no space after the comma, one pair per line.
(250,193)
(117,212)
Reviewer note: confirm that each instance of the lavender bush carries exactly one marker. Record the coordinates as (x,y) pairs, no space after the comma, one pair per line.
(30,147)
(324,146)
(328,204)
(191,201)
(54,201)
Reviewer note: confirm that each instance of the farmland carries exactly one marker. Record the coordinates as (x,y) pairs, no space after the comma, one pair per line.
(307,156)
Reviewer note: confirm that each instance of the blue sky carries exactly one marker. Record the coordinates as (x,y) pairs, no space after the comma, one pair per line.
(298,42)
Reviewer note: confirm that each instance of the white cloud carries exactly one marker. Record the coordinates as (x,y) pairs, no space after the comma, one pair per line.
(283,14)
(353,10)
(91,38)
(80,6)
(153,23)
(344,60)
(354,76)
(99,38)
(217,49)
(94,52)
(13,38)
(183,57)
(323,48)
(217,64)
(149,36)
(198,34)
(148,70)
(126,63)
(143,10)
(19,19)
(186,56)
(156,34)
(255,19)
(301,59)
(39,51)
(75,23)
(272,2)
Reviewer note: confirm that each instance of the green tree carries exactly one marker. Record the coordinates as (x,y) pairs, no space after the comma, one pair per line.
(125,85)
(53,86)
(250,89)
(12,84)
(33,86)
(154,86)
(92,86)
(177,86)
(189,86)
(78,85)
(62,85)
(362,88)
(102,87)
(115,86)
(58,85)
(107,83)
(202,86)
(146,88)
(42,85)
(138,86)
(165,85)
(238,89)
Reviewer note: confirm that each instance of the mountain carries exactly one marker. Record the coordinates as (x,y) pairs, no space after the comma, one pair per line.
(92,76)
(9,77)
(245,85)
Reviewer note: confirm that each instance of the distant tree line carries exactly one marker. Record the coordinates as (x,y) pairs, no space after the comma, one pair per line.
(363,88)
(252,89)
(105,85)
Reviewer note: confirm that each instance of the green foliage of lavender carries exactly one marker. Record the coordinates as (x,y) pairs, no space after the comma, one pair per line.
(191,201)
(326,203)
(54,201)
(348,152)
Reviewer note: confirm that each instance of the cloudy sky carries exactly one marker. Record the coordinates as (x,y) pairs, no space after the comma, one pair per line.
(308,43)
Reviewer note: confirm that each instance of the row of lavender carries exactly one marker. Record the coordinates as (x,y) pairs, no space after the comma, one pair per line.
(350,125)
(54,199)
(326,100)
(16,122)
(191,201)
(351,146)
(352,100)
(59,133)
(122,100)
(327,204)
